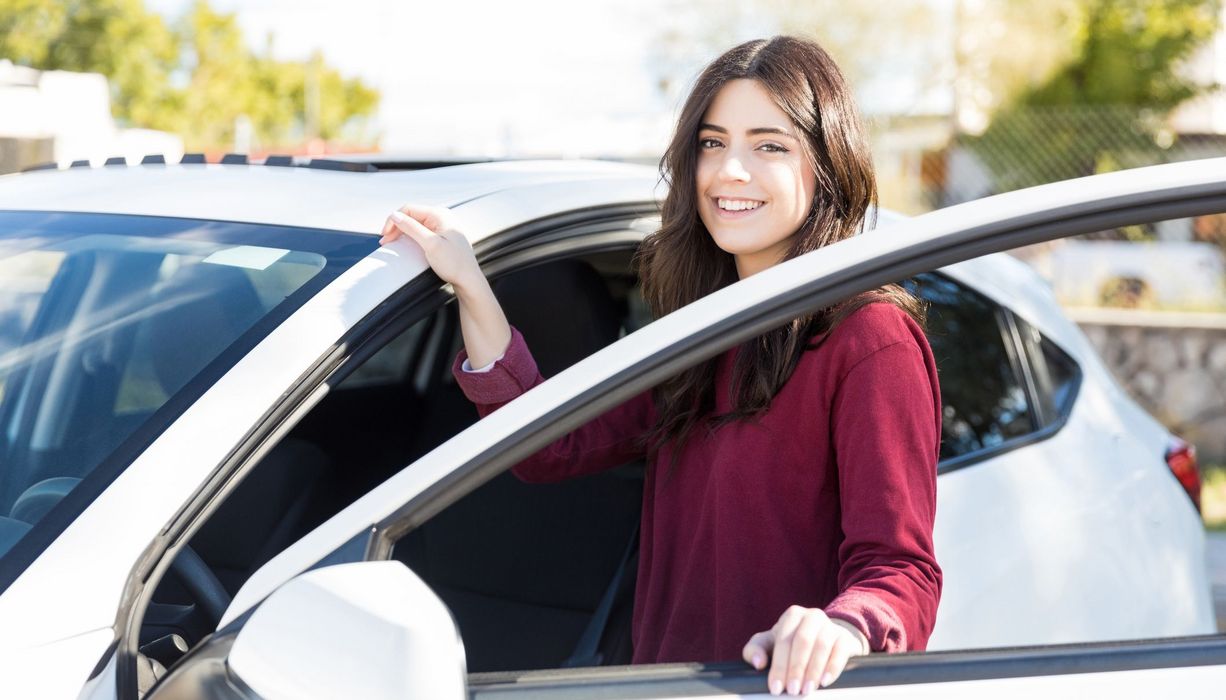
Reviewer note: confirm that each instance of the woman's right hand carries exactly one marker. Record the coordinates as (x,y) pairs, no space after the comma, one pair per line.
(482,322)
(447,250)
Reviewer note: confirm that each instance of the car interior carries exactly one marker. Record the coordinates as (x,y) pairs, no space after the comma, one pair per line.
(539,560)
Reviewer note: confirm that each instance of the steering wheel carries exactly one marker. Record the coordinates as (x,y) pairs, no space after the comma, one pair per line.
(187,567)
(201,583)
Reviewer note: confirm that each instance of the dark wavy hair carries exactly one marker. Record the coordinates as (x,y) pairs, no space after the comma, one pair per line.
(680,262)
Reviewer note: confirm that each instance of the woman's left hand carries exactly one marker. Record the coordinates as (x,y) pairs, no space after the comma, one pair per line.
(810,650)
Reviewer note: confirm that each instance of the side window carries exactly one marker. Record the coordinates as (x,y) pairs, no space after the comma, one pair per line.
(1056,376)
(982,391)
(400,403)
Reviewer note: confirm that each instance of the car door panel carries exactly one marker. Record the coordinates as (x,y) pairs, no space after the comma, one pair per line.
(724,318)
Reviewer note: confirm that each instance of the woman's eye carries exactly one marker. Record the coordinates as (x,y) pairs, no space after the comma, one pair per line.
(774,148)
(708,143)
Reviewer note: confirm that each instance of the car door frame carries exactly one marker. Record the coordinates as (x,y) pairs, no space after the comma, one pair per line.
(569,233)
(757,304)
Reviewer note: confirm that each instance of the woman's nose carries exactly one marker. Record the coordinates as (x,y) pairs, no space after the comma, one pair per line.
(732,169)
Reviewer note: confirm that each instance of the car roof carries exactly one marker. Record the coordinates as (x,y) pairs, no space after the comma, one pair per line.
(494,195)
(315,198)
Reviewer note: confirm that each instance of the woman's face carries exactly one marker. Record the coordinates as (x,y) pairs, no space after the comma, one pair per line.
(755,186)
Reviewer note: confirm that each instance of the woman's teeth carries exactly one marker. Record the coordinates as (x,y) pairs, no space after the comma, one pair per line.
(737,205)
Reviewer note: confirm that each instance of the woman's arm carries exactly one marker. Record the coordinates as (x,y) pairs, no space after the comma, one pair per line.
(608,441)
(886,430)
(482,321)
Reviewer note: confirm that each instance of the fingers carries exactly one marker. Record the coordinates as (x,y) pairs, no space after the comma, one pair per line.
(810,651)
(811,645)
(413,218)
(824,672)
(758,650)
(430,217)
(402,224)
(783,632)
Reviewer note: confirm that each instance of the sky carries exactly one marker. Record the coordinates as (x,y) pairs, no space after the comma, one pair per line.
(557,77)
(570,78)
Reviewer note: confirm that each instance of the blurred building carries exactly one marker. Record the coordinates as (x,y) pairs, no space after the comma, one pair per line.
(1206,115)
(61,117)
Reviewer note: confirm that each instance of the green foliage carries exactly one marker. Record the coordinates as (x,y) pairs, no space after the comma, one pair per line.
(1128,54)
(196,80)
(1105,108)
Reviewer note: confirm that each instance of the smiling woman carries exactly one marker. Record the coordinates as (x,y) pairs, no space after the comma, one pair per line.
(768,161)
(755,183)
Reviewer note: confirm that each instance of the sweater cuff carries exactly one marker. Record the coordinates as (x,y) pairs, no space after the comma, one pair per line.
(512,374)
(878,622)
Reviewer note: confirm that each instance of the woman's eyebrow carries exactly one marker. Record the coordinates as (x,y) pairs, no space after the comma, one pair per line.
(751,132)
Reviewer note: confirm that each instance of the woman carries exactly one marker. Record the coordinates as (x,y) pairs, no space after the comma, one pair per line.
(791,483)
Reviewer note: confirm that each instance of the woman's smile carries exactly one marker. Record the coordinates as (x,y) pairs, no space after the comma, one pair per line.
(733,208)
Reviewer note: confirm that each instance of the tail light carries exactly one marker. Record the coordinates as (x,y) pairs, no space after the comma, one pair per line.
(1181,458)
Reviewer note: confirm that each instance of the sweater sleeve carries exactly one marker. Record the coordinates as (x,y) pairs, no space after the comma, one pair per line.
(886,431)
(609,440)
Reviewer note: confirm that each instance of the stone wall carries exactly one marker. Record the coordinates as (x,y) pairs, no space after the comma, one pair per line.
(1174,364)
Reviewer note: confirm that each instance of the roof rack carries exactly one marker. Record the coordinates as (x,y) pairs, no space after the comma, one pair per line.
(364,163)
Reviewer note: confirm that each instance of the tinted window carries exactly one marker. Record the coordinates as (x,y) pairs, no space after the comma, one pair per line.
(983,396)
(1056,375)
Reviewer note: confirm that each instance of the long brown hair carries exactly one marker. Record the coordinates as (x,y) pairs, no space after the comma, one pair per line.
(680,262)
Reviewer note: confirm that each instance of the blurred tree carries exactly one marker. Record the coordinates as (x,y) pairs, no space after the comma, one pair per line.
(1105,108)
(118,38)
(197,79)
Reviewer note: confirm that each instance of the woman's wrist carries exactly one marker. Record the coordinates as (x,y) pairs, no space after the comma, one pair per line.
(472,287)
(855,631)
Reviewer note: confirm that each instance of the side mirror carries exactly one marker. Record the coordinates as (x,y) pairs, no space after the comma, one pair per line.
(365,630)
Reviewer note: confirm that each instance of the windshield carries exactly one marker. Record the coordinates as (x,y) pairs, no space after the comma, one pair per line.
(110,326)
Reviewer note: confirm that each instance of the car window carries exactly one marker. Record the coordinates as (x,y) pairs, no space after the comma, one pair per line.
(400,403)
(984,401)
(1056,375)
(106,324)
(24,279)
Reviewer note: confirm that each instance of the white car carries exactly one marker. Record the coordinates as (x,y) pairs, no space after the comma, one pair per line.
(232,445)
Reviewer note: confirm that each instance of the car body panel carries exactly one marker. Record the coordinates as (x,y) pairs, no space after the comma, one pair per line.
(1006,568)
(303,197)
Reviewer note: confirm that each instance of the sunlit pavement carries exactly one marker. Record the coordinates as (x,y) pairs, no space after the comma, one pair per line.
(1215,554)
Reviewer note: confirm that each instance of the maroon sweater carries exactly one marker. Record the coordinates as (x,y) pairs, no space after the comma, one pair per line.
(826,501)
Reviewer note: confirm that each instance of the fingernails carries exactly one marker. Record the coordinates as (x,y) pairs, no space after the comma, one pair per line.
(759,661)
(827,679)
(776,687)
(794,687)
(810,686)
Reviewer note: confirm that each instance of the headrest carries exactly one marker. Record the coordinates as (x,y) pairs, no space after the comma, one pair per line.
(563,309)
